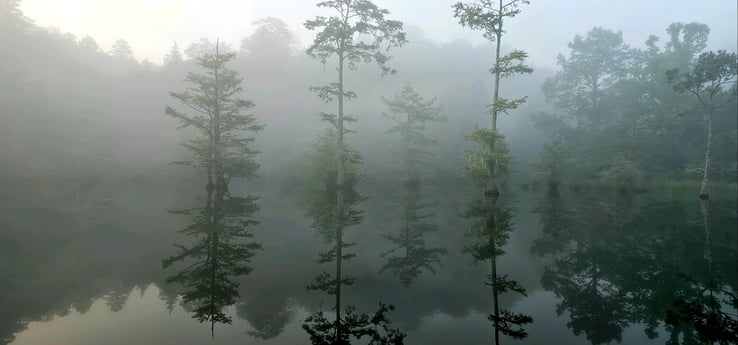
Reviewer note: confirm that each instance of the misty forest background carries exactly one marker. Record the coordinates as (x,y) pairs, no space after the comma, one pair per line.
(84,132)
(74,113)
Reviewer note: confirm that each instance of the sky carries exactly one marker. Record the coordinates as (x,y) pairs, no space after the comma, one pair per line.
(543,28)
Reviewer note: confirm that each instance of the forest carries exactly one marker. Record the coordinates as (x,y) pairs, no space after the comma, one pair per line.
(373,187)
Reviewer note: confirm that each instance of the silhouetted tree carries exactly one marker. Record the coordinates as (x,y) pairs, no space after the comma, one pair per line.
(223,246)
(356,33)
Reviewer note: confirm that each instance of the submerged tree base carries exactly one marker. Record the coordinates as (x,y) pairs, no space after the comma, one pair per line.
(704,196)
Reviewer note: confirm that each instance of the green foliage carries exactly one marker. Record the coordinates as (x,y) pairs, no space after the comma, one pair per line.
(218,116)
(487,16)
(321,179)
(358,34)
(623,174)
(410,255)
(589,77)
(223,245)
(613,100)
(410,112)
(222,251)
(553,161)
(708,77)
(512,64)
(492,151)
(491,228)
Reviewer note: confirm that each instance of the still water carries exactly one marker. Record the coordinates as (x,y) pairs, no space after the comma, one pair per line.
(597,267)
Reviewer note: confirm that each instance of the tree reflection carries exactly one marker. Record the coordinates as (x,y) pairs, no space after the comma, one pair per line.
(622,261)
(329,219)
(268,316)
(222,252)
(491,224)
(410,255)
(704,307)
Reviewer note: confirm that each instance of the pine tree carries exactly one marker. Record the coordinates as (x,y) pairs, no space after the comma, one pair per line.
(224,245)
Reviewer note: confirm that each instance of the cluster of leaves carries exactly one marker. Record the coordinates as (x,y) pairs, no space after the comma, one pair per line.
(623,173)
(492,153)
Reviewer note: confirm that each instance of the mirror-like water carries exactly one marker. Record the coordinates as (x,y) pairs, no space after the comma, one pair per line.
(597,268)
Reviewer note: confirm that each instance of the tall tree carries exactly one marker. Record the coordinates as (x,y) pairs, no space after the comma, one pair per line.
(708,80)
(411,112)
(358,32)
(488,16)
(588,94)
(491,157)
(225,246)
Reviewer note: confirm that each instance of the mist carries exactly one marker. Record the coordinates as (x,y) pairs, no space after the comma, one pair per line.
(368,172)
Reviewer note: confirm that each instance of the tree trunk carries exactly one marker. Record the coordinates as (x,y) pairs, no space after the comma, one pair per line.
(340,174)
(491,187)
(492,192)
(705,176)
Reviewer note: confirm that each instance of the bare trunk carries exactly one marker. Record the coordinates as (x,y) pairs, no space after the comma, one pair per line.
(705,176)
(339,196)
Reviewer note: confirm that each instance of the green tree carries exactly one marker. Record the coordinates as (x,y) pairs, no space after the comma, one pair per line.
(708,80)
(410,113)
(224,244)
(358,32)
(488,16)
(653,126)
(491,159)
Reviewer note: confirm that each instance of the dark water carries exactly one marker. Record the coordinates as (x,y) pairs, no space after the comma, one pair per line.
(598,267)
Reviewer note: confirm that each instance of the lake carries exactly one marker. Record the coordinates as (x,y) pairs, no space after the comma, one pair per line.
(597,267)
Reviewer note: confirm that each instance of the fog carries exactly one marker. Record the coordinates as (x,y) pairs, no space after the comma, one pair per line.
(600,204)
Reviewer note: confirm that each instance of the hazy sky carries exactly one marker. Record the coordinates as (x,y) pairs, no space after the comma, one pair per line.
(543,29)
